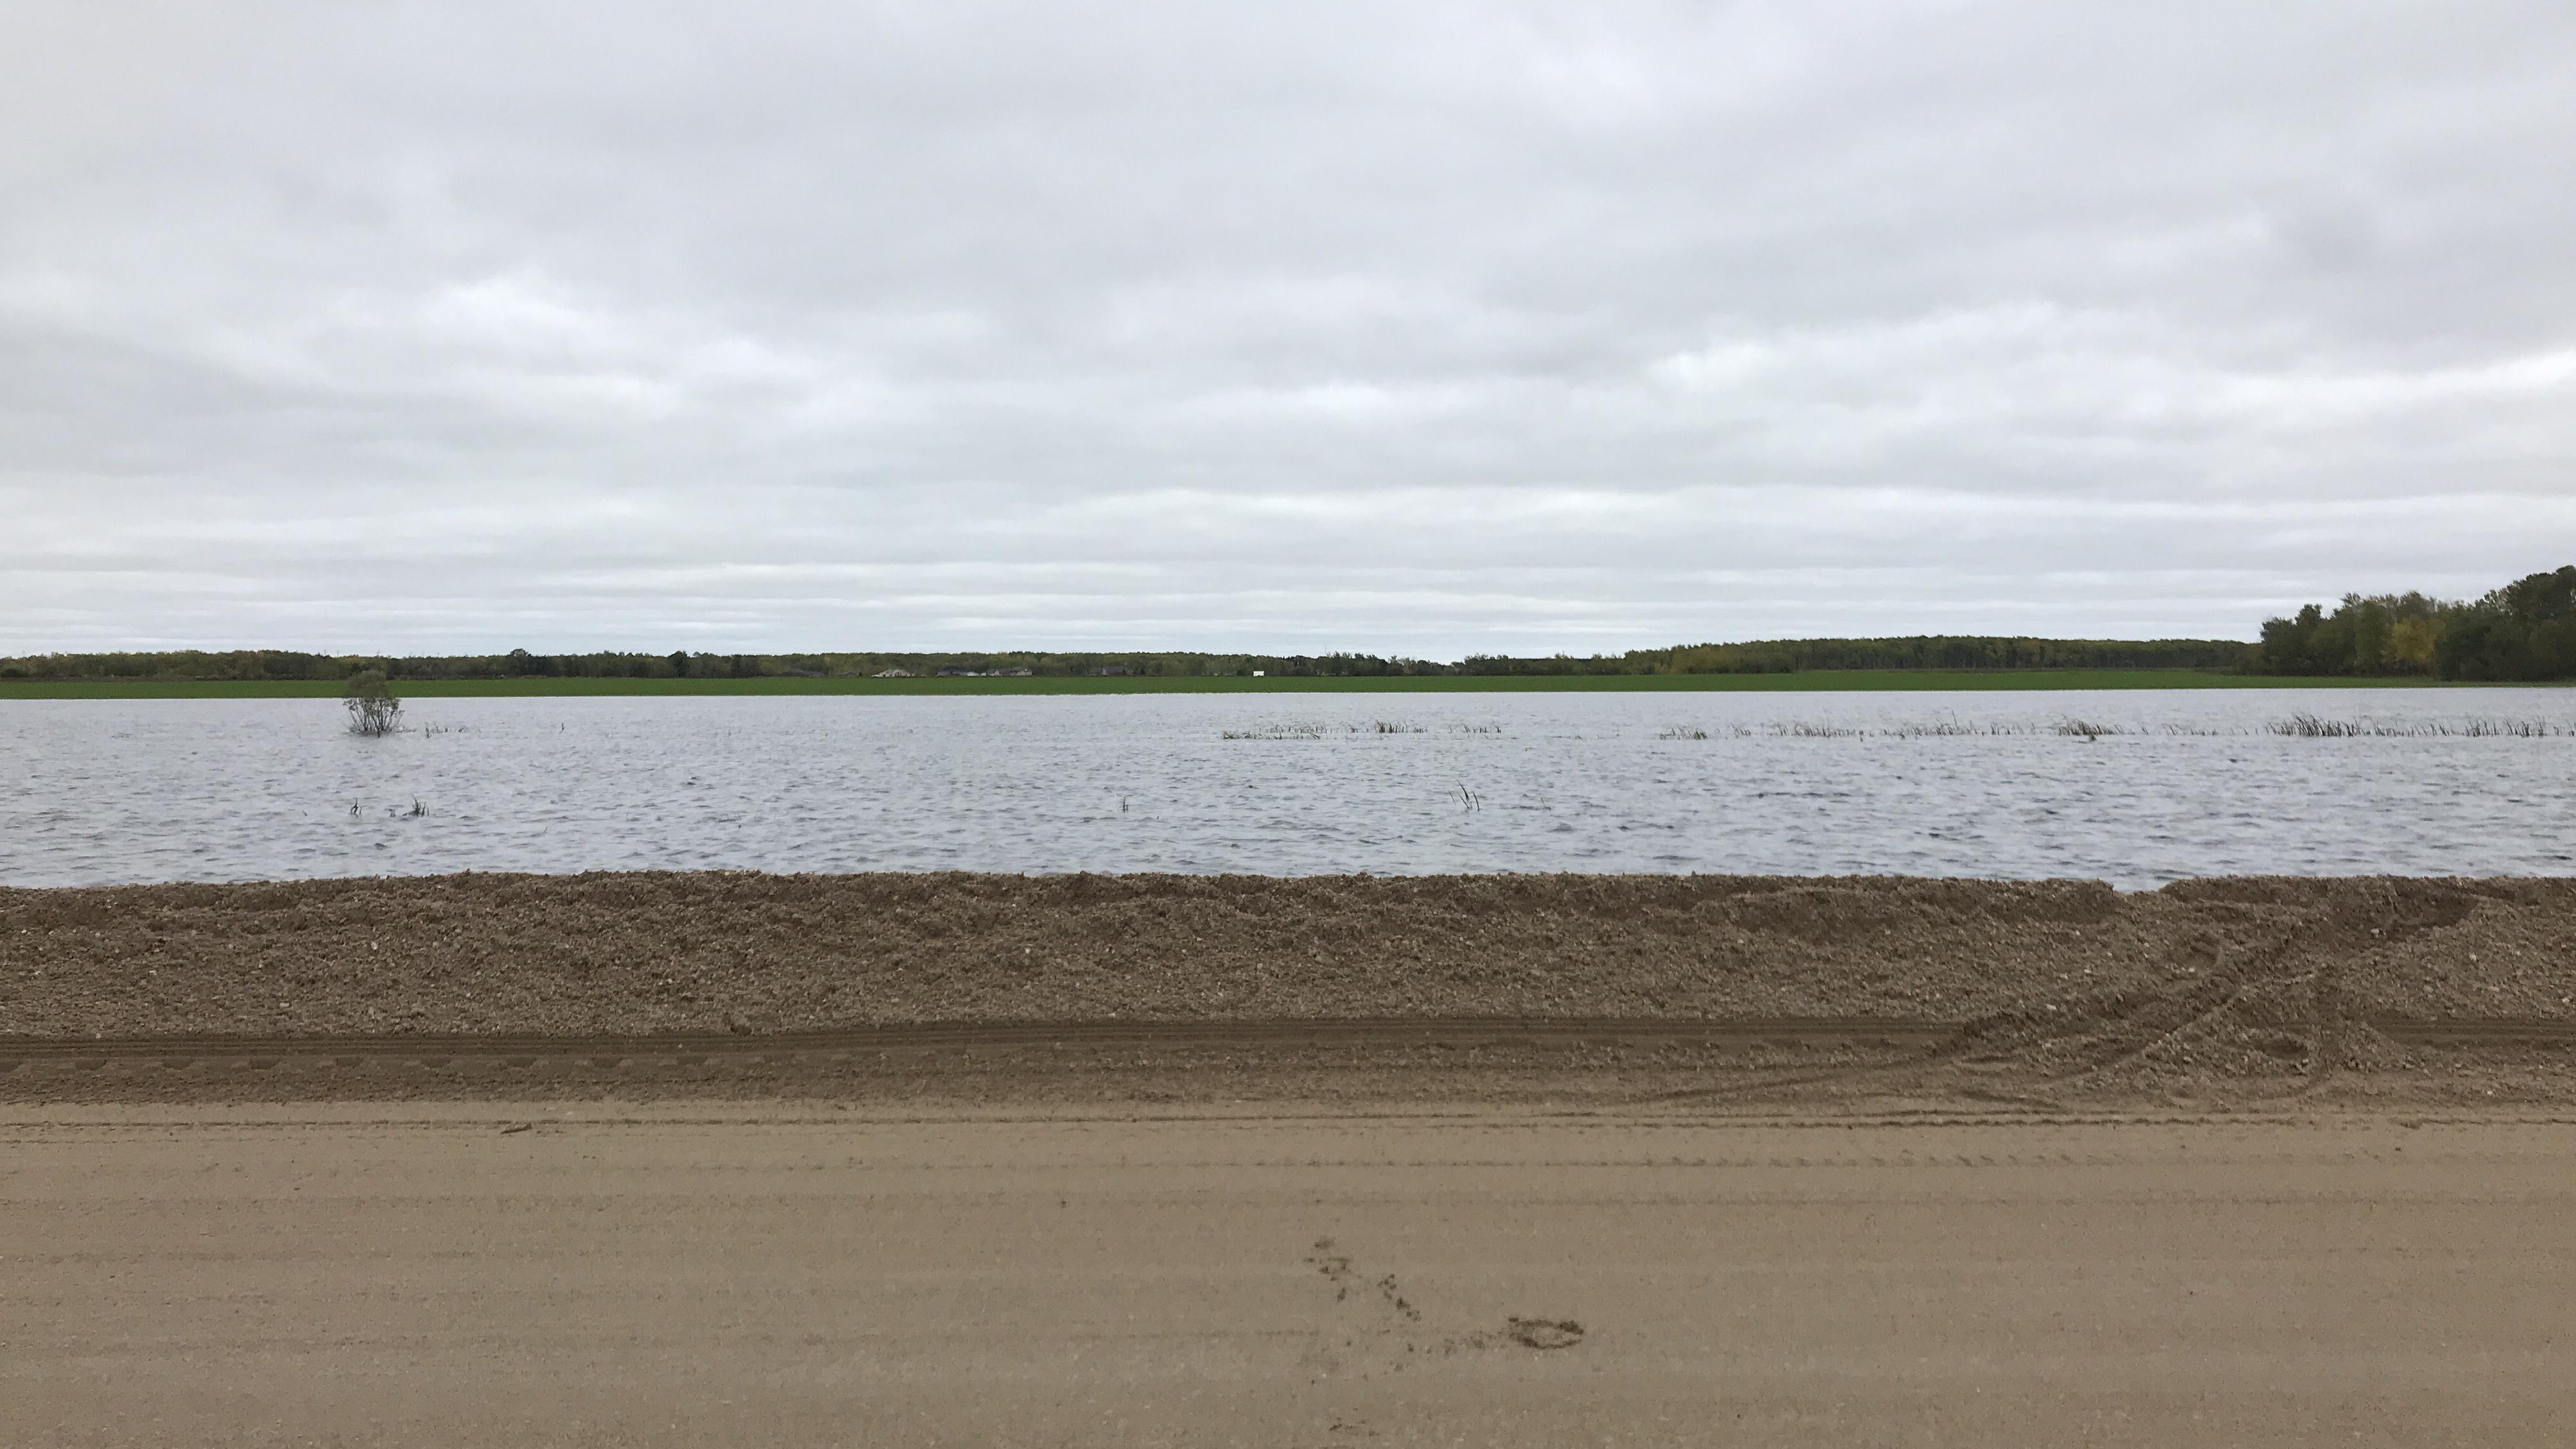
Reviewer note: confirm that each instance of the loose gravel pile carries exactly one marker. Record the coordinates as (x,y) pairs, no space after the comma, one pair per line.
(711,952)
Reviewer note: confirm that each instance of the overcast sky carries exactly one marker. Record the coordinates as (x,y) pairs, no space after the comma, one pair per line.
(1399,328)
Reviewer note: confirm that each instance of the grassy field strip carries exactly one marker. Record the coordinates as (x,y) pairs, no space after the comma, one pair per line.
(1822,680)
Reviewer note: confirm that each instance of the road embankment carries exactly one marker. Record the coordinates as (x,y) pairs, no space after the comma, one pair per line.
(737,983)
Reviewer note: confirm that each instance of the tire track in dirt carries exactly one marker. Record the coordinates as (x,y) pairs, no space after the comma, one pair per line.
(1159,1060)
(974,1035)
(2258,1009)
(1872,1055)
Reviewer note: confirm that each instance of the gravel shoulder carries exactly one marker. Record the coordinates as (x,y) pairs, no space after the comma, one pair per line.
(2271,981)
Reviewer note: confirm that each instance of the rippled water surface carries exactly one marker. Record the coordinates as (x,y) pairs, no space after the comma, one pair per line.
(2192,783)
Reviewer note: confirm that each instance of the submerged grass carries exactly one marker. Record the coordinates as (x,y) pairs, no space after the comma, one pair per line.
(1373,727)
(2306,726)
(2297,726)
(1277,732)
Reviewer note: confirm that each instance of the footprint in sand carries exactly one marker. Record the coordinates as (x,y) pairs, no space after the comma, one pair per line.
(1395,1314)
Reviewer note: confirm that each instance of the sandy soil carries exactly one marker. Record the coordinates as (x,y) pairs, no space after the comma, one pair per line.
(457,1276)
(1166,1160)
(739,984)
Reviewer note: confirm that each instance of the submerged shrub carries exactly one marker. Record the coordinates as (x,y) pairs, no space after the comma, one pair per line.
(373,710)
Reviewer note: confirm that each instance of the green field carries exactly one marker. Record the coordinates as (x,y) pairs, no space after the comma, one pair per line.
(1909,679)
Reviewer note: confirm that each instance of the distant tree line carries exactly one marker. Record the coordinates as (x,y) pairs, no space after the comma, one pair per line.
(283,664)
(1782,656)
(1792,656)
(2523,631)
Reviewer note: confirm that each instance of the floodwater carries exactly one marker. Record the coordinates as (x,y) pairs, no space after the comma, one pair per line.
(1986,784)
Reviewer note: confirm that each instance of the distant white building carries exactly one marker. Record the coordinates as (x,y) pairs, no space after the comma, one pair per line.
(894,674)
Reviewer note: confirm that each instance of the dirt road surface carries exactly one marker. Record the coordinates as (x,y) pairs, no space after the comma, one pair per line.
(468,1274)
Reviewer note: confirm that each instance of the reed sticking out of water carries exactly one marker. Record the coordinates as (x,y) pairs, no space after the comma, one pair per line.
(1939,729)
(1469,800)
(1317,732)
(2519,729)
(395,812)
(2304,726)
(2299,726)
(1276,732)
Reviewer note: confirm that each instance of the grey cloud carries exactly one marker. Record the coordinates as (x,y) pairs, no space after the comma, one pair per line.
(1434,328)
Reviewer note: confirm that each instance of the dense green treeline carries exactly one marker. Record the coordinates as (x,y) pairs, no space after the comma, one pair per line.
(1798,656)
(2523,631)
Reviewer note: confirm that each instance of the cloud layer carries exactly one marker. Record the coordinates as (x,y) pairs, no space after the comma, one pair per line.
(1413,329)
